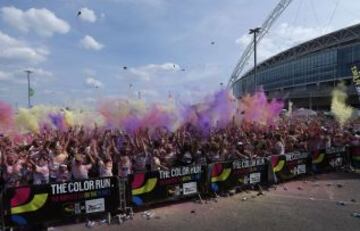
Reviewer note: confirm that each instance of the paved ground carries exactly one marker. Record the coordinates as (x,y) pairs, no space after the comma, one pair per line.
(308,204)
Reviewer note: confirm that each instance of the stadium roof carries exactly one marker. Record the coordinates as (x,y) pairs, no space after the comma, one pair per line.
(333,39)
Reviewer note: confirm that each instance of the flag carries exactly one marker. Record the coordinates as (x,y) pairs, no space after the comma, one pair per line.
(31,92)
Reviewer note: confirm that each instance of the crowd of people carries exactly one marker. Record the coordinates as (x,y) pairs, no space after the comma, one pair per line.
(79,153)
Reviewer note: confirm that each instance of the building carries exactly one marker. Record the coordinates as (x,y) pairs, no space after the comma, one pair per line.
(307,73)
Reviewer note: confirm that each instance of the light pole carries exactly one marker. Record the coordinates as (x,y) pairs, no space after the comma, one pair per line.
(255,31)
(28,72)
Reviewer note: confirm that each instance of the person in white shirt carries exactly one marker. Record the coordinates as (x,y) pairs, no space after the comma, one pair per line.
(279,145)
(41,172)
(79,170)
(105,168)
(124,166)
(140,162)
(13,169)
(63,174)
(57,158)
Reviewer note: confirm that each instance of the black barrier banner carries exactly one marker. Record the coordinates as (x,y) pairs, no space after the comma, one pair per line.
(37,204)
(290,165)
(328,159)
(175,183)
(355,157)
(237,173)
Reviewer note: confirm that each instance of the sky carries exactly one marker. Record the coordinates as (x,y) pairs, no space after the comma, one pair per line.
(185,48)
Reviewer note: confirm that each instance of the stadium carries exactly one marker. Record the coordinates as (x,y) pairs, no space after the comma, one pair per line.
(307,73)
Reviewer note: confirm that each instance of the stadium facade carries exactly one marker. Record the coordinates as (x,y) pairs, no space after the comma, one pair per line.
(307,73)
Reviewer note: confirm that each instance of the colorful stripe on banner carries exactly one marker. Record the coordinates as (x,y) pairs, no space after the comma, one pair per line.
(36,203)
(148,187)
(21,196)
(319,158)
(280,165)
(223,176)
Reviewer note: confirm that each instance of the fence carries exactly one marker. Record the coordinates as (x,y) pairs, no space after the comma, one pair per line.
(354,152)
(38,204)
(159,186)
(29,205)
(238,173)
(328,159)
(291,165)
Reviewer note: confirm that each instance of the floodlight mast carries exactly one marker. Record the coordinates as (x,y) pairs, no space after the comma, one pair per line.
(249,50)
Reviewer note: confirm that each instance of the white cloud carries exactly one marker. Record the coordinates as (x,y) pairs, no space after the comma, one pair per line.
(48,92)
(90,100)
(89,72)
(152,70)
(90,43)
(39,72)
(87,15)
(149,93)
(153,3)
(42,21)
(19,76)
(12,49)
(282,38)
(4,75)
(4,89)
(91,82)
(185,86)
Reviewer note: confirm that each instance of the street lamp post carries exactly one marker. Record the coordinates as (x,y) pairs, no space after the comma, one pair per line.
(255,31)
(28,72)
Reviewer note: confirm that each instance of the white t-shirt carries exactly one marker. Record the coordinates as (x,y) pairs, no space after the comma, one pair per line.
(170,158)
(41,174)
(279,147)
(124,166)
(104,171)
(155,164)
(80,172)
(62,176)
(140,162)
(14,169)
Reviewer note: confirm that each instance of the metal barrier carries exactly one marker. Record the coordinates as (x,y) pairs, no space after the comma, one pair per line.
(27,205)
(123,198)
(164,185)
(49,203)
(238,173)
(290,165)
(328,159)
(354,153)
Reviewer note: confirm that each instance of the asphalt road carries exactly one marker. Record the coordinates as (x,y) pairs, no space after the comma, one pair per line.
(306,204)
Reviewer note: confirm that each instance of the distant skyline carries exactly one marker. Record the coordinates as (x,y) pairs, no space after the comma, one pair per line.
(83,50)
